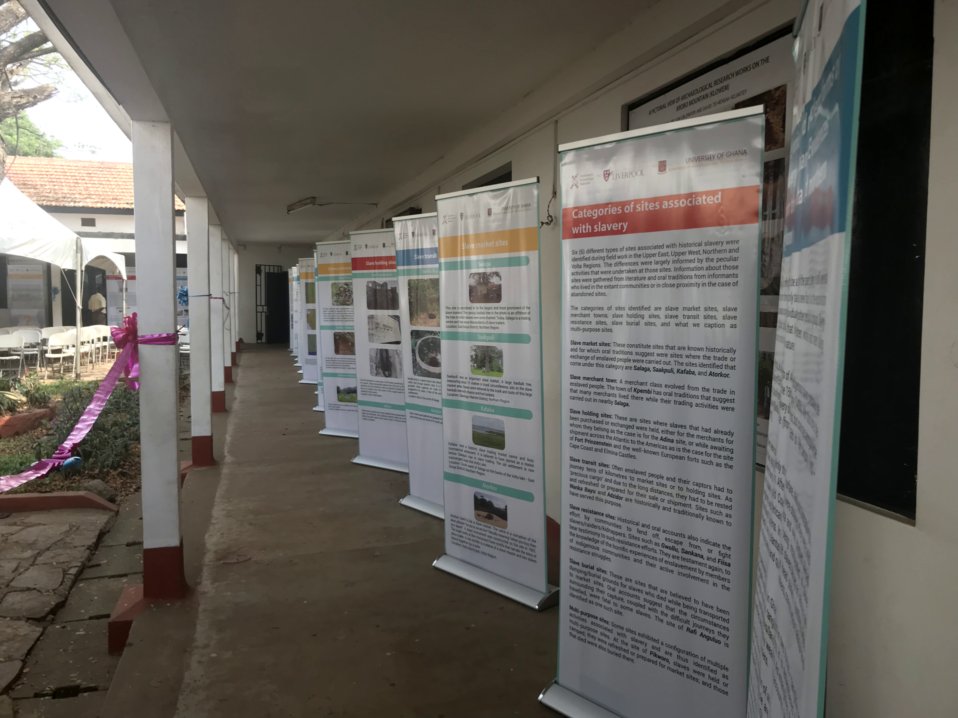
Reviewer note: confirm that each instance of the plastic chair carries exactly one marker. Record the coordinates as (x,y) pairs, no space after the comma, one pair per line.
(11,346)
(60,346)
(32,344)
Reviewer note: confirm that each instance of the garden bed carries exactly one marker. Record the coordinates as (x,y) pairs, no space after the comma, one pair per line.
(110,452)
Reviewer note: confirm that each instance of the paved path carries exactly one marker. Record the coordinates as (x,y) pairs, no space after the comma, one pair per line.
(61,578)
(318,597)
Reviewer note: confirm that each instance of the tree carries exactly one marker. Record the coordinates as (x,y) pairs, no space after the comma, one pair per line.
(25,139)
(22,50)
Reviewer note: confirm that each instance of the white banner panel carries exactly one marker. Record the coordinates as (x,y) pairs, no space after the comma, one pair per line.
(292,332)
(417,265)
(308,331)
(296,310)
(320,391)
(790,624)
(492,383)
(382,395)
(763,77)
(660,253)
(337,338)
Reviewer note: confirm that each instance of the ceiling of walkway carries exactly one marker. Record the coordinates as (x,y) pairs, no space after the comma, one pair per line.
(280,100)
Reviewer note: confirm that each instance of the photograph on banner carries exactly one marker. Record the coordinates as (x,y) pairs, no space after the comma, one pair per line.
(661,251)
(789,633)
(377,341)
(308,327)
(492,380)
(417,266)
(337,344)
(761,76)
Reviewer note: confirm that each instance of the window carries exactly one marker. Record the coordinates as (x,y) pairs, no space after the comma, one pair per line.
(496,176)
(878,448)
(88,221)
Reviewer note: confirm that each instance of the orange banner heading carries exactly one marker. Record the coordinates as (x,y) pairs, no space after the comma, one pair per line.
(693,210)
(506,241)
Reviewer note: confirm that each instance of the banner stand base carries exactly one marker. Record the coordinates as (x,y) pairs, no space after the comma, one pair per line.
(339,432)
(427,507)
(503,586)
(571,704)
(381,464)
(307,381)
(321,409)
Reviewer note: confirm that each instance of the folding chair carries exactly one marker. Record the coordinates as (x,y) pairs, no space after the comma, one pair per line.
(32,345)
(11,352)
(60,346)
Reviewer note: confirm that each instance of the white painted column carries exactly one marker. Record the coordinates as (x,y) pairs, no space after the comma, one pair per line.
(227,355)
(198,282)
(156,290)
(217,385)
(236,296)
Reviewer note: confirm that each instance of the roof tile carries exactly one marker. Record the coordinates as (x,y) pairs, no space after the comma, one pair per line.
(58,182)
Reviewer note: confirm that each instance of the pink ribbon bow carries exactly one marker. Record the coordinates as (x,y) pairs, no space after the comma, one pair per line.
(128,341)
(127,364)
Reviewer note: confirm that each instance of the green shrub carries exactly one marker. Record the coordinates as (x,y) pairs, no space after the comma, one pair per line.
(10,401)
(109,442)
(38,394)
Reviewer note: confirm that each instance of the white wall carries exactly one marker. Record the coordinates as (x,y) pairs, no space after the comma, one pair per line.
(251,254)
(894,620)
(107,222)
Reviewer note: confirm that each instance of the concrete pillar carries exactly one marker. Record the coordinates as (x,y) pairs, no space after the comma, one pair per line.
(217,314)
(227,355)
(236,294)
(163,576)
(198,276)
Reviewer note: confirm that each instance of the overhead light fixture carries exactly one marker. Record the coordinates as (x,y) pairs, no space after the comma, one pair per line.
(312,202)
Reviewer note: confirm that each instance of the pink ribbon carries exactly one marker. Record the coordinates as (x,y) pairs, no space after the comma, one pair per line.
(127,364)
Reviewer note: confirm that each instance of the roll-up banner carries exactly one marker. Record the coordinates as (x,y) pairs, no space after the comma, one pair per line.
(292,311)
(382,395)
(296,310)
(790,615)
(307,283)
(660,251)
(417,265)
(320,391)
(337,338)
(494,498)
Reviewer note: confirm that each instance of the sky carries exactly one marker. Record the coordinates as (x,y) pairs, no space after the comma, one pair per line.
(74,117)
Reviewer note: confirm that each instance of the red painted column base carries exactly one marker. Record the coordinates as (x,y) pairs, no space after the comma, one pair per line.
(218,401)
(233,359)
(203,451)
(228,374)
(163,576)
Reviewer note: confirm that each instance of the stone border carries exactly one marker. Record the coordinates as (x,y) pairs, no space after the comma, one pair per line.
(16,424)
(14,503)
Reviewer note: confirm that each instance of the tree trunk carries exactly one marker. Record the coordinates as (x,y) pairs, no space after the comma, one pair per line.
(3,161)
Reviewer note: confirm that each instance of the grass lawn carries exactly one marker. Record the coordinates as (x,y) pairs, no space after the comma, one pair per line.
(485,372)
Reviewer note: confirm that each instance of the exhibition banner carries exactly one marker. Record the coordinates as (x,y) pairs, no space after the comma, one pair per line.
(761,77)
(292,312)
(337,338)
(790,615)
(382,395)
(307,332)
(320,391)
(492,390)
(417,266)
(660,254)
(296,310)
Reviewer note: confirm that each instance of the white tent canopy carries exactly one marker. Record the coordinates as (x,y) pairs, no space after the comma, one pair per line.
(28,231)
